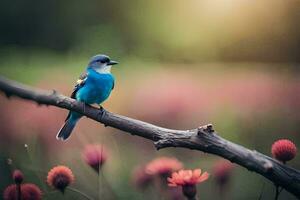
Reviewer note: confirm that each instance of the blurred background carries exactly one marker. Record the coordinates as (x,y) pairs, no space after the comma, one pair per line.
(182,64)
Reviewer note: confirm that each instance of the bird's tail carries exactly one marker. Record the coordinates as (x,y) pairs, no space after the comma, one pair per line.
(66,130)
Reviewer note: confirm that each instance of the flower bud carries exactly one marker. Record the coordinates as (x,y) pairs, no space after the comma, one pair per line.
(18,176)
(284,150)
(60,177)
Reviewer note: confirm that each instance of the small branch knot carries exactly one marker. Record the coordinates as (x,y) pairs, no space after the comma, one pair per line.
(59,100)
(209,128)
(268,167)
(162,143)
(54,92)
(206,128)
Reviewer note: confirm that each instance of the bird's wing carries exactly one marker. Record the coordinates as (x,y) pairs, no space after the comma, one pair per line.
(113,86)
(79,84)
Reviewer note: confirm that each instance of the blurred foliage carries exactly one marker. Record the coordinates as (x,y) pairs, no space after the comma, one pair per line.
(169,30)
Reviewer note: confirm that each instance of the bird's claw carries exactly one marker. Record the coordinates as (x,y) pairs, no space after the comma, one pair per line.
(83,107)
(102,112)
(101,108)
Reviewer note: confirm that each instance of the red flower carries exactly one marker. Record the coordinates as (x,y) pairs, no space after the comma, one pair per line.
(284,150)
(163,166)
(60,177)
(18,176)
(222,171)
(187,177)
(95,156)
(29,191)
(140,178)
(188,180)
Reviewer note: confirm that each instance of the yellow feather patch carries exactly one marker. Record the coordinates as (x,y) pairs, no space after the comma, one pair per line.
(79,81)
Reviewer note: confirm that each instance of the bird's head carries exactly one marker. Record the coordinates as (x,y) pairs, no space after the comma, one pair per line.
(101,63)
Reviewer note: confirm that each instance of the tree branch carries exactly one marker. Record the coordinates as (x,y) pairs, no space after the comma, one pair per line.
(203,138)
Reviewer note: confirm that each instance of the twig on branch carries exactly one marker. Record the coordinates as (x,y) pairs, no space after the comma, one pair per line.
(203,138)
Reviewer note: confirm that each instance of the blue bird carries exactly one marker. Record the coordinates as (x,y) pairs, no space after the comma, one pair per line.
(93,87)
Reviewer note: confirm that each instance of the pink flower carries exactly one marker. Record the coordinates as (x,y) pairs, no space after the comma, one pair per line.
(284,150)
(60,177)
(163,166)
(18,176)
(95,156)
(222,171)
(187,177)
(29,191)
(188,180)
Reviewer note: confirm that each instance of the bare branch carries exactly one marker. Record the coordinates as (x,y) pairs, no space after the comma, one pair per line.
(203,138)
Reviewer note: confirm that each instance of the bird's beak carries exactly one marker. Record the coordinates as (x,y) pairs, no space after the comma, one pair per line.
(112,62)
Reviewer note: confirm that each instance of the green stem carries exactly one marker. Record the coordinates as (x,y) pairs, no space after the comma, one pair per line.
(19,195)
(79,192)
(277,193)
(193,198)
(46,195)
(261,192)
(36,172)
(98,185)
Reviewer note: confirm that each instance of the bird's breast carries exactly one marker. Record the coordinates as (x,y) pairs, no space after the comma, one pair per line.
(96,89)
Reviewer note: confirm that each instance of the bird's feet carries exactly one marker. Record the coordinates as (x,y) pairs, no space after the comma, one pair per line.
(84,106)
(101,108)
(102,112)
